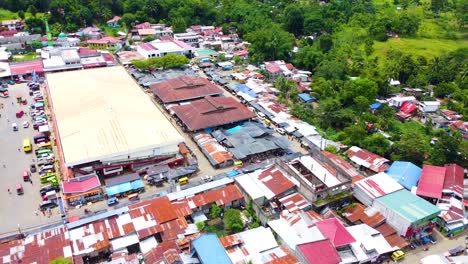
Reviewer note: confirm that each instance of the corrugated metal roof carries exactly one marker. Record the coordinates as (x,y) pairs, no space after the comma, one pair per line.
(295,203)
(405,173)
(320,252)
(160,209)
(341,163)
(210,250)
(216,153)
(368,159)
(453,182)
(335,231)
(275,181)
(184,88)
(378,185)
(359,213)
(220,196)
(431,182)
(409,206)
(212,112)
(81,184)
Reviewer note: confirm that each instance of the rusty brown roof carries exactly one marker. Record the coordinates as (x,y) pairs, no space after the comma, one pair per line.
(184,88)
(212,112)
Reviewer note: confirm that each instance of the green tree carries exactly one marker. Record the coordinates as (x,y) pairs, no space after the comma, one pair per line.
(369,46)
(363,87)
(444,89)
(238,60)
(353,135)
(326,43)
(200,226)
(412,147)
(128,19)
(36,45)
(332,149)
(61,260)
(21,14)
(377,144)
(331,114)
(148,39)
(294,19)
(308,58)
(331,70)
(32,9)
(221,57)
(215,211)
(445,150)
(271,43)
(463,149)
(233,221)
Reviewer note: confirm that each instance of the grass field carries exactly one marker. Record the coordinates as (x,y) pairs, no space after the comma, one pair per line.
(7,15)
(425,47)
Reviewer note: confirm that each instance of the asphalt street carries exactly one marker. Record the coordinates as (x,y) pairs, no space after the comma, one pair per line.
(18,210)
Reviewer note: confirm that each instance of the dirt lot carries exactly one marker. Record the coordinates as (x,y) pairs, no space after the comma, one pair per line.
(18,209)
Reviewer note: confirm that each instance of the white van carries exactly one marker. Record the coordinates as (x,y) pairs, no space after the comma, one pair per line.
(261,115)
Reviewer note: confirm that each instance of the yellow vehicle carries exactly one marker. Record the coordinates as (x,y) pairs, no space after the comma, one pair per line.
(238,163)
(398,255)
(27,146)
(183,180)
(47,145)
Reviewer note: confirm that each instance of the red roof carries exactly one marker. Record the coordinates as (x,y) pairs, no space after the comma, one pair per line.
(211,146)
(320,252)
(358,213)
(450,115)
(114,19)
(143,25)
(368,159)
(184,88)
(78,185)
(335,231)
(104,40)
(431,181)
(156,255)
(109,58)
(25,67)
(342,164)
(407,107)
(275,180)
(241,53)
(212,112)
(272,67)
(460,126)
(147,47)
(8,33)
(454,179)
(221,196)
(159,208)
(86,51)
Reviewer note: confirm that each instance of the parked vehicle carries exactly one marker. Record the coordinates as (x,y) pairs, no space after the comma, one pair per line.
(25,124)
(280,131)
(183,180)
(47,205)
(40,138)
(26,176)
(112,201)
(19,114)
(32,168)
(19,189)
(14,126)
(47,188)
(456,250)
(27,146)
(133,197)
(398,255)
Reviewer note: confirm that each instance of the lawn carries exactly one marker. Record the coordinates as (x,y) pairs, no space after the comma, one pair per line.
(7,15)
(25,57)
(425,47)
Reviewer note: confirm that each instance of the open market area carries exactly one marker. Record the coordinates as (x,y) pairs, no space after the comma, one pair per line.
(123,140)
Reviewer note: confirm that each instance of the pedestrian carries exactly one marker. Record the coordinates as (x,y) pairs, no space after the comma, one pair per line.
(12,103)
(9,191)
(36,212)
(30,180)
(19,150)
(43,212)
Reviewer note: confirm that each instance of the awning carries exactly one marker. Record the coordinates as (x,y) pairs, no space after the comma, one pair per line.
(124,187)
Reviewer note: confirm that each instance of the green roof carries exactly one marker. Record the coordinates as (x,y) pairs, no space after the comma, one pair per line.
(409,206)
(205,52)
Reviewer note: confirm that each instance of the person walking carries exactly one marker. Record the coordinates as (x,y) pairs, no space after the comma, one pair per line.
(43,212)
(9,191)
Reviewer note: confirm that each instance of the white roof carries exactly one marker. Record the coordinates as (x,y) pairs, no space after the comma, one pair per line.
(52,62)
(296,234)
(125,241)
(4,69)
(378,185)
(199,189)
(435,259)
(369,239)
(148,244)
(403,98)
(319,171)
(431,103)
(102,113)
(254,188)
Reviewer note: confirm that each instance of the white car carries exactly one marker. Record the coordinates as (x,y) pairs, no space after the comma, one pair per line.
(25,124)
(280,131)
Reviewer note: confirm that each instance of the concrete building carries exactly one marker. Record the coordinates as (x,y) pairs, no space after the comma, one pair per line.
(164,46)
(94,128)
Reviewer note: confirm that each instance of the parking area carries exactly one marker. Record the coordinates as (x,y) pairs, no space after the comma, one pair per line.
(18,211)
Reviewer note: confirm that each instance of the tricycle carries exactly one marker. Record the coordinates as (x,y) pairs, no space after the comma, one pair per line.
(19,114)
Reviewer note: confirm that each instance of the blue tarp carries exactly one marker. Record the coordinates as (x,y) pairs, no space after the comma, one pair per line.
(210,250)
(243,88)
(124,187)
(306,97)
(232,173)
(234,129)
(405,173)
(375,106)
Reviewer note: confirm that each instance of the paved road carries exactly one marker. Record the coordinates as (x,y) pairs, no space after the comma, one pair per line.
(442,246)
(15,209)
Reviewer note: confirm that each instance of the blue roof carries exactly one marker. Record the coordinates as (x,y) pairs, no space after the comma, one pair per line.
(243,88)
(124,187)
(306,97)
(375,105)
(210,250)
(234,129)
(405,173)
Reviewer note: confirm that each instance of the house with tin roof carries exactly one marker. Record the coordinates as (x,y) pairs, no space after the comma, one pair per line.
(183,89)
(405,173)
(368,161)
